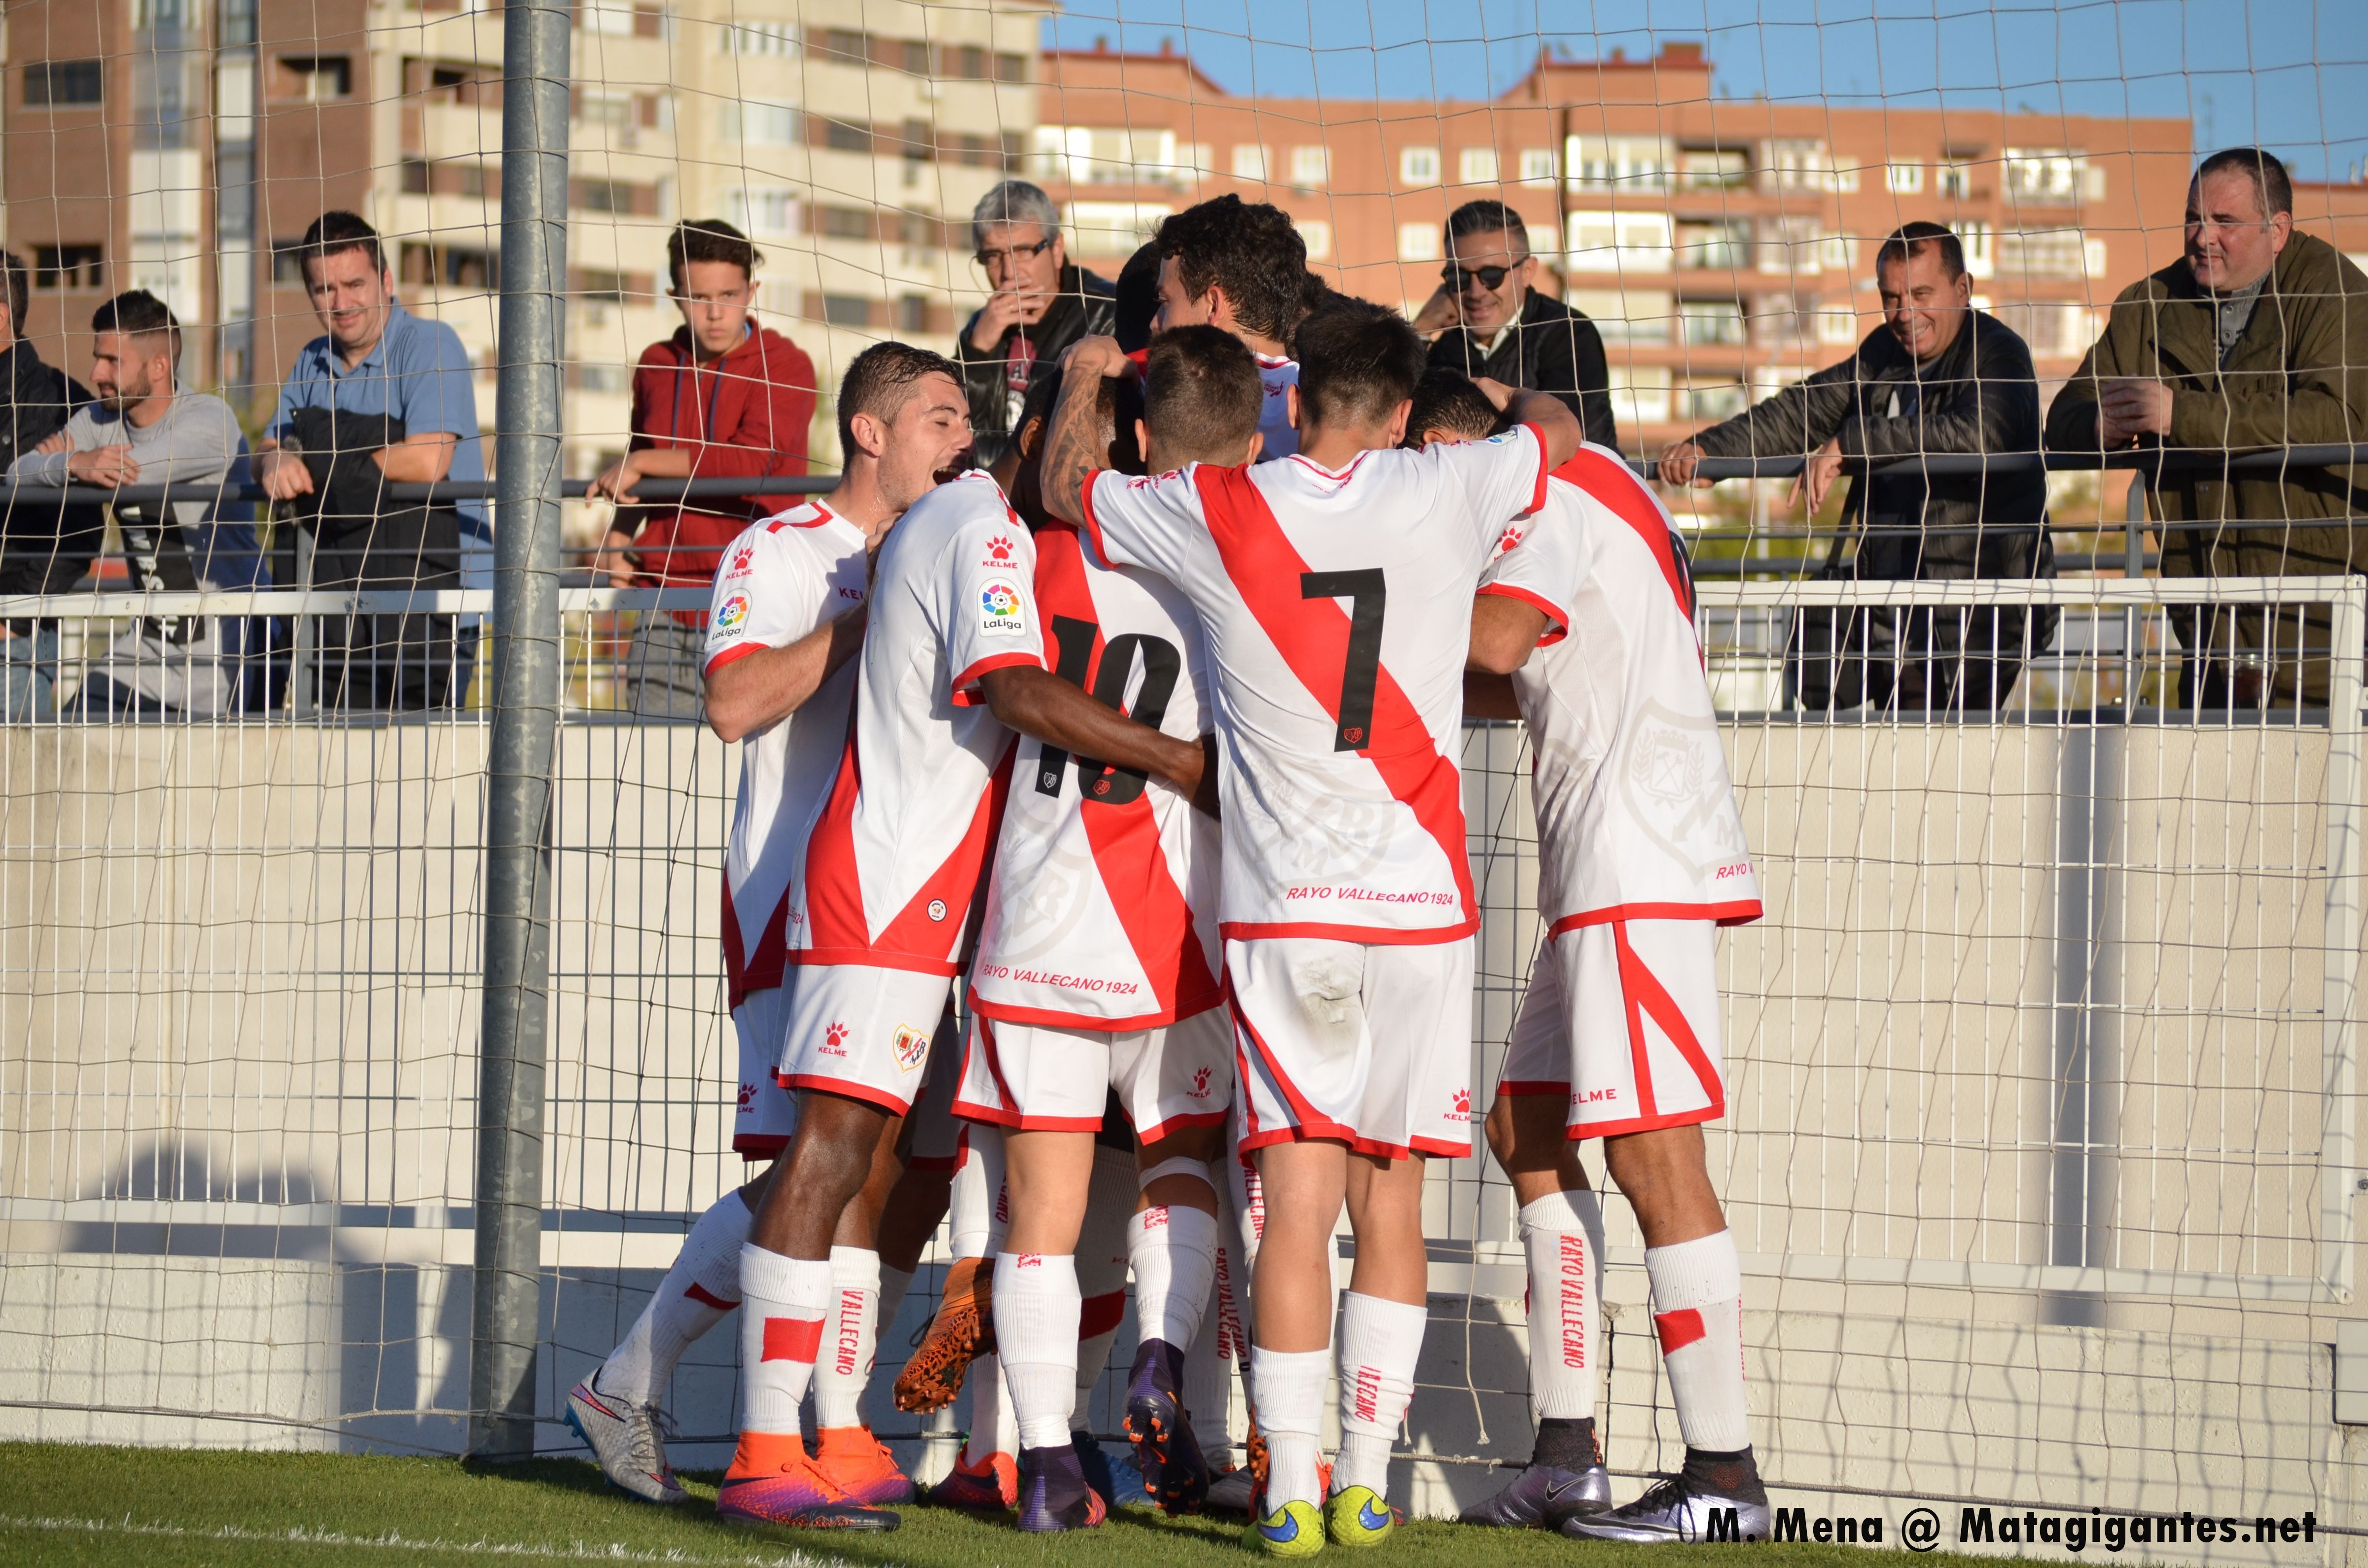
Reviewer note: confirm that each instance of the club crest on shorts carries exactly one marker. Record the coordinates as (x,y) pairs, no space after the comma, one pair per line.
(912,1047)
(999,612)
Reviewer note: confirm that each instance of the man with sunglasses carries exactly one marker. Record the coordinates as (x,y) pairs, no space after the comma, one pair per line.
(1490,323)
(724,397)
(1039,306)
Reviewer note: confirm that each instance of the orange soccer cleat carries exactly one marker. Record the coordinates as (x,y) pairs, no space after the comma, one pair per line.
(993,1483)
(860,1465)
(962,1331)
(773,1484)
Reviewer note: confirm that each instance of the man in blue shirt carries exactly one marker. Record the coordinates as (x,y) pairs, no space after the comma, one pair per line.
(383,397)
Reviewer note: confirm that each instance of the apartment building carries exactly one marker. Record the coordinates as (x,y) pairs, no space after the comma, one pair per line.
(183,146)
(1725,246)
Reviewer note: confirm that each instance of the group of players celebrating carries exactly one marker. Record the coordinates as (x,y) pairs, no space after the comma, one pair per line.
(1149,735)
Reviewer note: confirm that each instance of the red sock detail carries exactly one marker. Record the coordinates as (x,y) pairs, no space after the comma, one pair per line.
(1678,1329)
(800,1339)
(706,1297)
(1100,1315)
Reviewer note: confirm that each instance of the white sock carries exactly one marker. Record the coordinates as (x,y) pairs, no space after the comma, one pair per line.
(845,1366)
(1173,1252)
(1288,1386)
(1698,1312)
(697,1292)
(1036,1308)
(781,1334)
(1563,1234)
(979,1210)
(993,1428)
(1380,1343)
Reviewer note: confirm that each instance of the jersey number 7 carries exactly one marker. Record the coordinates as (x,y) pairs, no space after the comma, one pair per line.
(1098,782)
(1367,592)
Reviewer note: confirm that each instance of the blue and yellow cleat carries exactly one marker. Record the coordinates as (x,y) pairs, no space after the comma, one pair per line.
(1295,1529)
(1354,1516)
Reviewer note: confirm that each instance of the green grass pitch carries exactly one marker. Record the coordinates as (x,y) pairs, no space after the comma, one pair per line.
(163,1508)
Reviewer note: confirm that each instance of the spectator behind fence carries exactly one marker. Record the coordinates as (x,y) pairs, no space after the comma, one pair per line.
(2256,337)
(1040,305)
(147,428)
(724,398)
(1491,323)
(382,397)
(44,545)
(1938,376)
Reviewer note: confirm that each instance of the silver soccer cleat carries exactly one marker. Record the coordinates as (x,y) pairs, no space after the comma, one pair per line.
(624,1437)
(1672,1512)
(1542,1497)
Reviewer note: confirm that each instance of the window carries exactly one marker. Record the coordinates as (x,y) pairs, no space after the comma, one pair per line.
(1476,165)
(1722,247)
(1011,68)
(610,17)
(414,176)
(1311,167)
(846,310)
(844,223)
(616,197)
(841,137)
(1419,242)
(599,378)
(761,210)
(1957,178)
(912,314)
(1836,251)
(1625,163)
(1317,235)
(1837,327)
(67,267)
(1417,166)
(1713,168)
(1537,166)
(1789,245)
(1249,162)
(592,284)
(2044,175)
(1115,228)
(1708,402)
(315,78)
(1902,179)
(1625,315)
(841,43)
(1711,322)
(445,266)
(757,124)
(779,40)
(1795,163)
(1640,394)
(54,84)
(1085,154)
(1621,242)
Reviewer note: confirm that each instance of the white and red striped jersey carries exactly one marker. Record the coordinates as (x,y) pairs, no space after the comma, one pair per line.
(1338,611)
(1636,814)
(896,856)
(1277,377)
(1101,908)
(781,579)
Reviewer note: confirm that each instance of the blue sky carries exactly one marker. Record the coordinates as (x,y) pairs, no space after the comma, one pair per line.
(2292,74)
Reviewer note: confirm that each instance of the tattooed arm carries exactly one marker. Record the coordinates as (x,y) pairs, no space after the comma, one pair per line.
(1077,447)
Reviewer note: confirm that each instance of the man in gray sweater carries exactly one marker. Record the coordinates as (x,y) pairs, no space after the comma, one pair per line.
(146,429)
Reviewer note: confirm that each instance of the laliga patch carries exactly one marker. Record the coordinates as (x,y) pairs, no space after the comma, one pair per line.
(999,609)
(912,1047)
(732,617)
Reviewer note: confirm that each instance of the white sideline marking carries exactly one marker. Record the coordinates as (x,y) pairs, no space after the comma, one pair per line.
(298,1535)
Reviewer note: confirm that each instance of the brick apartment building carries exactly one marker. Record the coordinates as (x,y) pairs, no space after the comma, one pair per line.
(183,146)
(1723,246)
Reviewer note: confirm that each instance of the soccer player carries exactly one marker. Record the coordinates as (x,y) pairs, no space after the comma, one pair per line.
(1641,857)
(787,617)
(1241,266)
(879,905)
(1097,970)
(1334,591)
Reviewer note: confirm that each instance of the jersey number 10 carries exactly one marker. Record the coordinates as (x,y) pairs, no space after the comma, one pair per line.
(1098,782)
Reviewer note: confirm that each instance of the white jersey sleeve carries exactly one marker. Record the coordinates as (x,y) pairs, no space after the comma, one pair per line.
(1146,520)
(1502,478)
(987,618)
(1542,560)
(764,596)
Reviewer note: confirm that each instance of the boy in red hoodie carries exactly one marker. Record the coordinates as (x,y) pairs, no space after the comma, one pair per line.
(723,398)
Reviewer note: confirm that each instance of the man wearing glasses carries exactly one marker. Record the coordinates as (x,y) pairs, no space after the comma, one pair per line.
(1040,305)
(724,398)
(1491,323)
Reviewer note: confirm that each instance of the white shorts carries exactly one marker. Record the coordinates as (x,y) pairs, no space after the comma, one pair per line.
(1370,1044)
(1622,1019)
(1036,1077)
(932,1136)
(767,1118)
(862,1032)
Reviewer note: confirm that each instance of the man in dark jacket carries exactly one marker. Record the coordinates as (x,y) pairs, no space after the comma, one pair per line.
(1938,376)
(1491,323)
(45,546)
(2256,337)
(1040,305)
